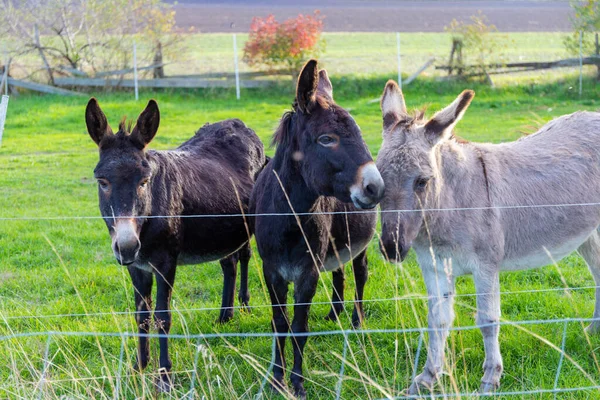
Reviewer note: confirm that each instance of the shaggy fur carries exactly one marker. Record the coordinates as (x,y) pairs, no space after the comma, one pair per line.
(212,173)
(310,173)
(426,167)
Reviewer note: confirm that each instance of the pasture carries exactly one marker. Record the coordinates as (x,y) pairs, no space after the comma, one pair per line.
(52,264)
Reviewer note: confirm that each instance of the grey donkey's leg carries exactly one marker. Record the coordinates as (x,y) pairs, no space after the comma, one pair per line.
(590,251)
(440,289)
(487,287)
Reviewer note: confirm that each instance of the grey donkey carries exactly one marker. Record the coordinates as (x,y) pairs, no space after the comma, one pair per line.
(425,167)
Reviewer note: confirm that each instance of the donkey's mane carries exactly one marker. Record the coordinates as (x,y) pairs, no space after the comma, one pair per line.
(125,126)
(414,117)
(281,135)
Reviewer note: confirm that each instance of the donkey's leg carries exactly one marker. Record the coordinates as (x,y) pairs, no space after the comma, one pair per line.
(304,291)
(337,297)
(142,286)
(590,251)
(162,317)
(244,254)
(229,267)
(278,291)
(440,290)
(487,287)
(361,274)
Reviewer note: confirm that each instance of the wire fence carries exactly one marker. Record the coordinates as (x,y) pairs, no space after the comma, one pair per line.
(52,336)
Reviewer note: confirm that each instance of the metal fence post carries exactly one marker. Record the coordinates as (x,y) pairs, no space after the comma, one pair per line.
(3,110)
(399,64)
(42,383)
(580,63)
(237,70)
(120,370)
(135,71)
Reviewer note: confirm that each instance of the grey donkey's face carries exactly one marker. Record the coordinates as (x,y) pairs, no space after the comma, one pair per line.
(406,163)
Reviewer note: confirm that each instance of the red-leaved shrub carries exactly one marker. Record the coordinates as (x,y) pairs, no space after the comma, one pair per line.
(284,45)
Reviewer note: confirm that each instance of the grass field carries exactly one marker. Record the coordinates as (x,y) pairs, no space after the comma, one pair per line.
(51,267)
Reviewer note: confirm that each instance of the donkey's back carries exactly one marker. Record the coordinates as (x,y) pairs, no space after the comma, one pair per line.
(553,179)
(229,141)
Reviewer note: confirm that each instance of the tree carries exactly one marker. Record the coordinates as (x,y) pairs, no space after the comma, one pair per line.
(86,35)
(585,20)
(284,45)
(476,42)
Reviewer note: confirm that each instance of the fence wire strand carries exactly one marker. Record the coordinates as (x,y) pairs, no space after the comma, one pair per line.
(303,214)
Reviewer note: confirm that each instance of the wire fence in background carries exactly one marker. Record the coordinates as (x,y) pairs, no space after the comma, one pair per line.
(209,56)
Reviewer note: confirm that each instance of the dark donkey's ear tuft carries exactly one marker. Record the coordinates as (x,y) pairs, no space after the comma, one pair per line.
(306,90)
(440,126)
(96,122)
(393,106)
(324,86)
(147,124)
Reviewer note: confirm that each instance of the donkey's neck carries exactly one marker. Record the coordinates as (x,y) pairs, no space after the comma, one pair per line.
(460,176)
(297,193)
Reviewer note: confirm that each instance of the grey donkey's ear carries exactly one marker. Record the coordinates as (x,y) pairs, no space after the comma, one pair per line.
(440,126)
(147,123)
(96,122)
(306,89)
(392,104)
(324,85)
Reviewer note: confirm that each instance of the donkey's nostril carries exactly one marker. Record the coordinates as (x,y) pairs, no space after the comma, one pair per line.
(371,190)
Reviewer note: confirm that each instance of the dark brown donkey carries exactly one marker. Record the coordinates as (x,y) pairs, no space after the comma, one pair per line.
(322,165)
(148,200)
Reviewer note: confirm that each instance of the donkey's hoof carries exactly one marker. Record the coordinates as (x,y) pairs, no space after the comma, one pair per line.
(278,386)
(225,317)
(300,392)
(139,367)
(334,315)
(488,387)
(164,383)
(593,328)
(358,320)
(245,307)
(420,387)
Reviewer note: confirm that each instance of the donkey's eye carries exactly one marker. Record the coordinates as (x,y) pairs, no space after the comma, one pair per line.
(327,140)
(144,183)
(103,184)
(421,183)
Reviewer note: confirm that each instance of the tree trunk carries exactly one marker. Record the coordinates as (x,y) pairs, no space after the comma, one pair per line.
(158,72)
(38,45)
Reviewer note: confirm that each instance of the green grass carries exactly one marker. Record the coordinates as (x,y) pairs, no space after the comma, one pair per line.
(50,267)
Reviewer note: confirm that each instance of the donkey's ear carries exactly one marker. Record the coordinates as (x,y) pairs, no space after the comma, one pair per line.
(441,125)
(96,122)
(147,123)
(392,104)
(306,90)
(324,86)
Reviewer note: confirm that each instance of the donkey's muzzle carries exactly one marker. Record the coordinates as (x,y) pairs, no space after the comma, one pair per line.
(125,241)
(368,190)
(392,248)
